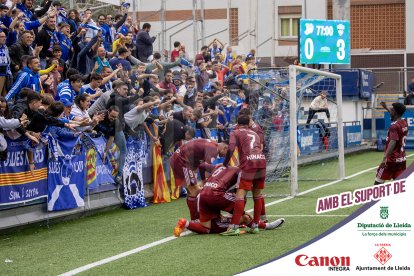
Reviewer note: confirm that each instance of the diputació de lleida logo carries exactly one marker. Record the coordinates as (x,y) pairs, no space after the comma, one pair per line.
(384,212)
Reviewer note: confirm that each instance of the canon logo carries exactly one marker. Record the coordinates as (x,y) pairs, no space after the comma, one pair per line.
(303,260)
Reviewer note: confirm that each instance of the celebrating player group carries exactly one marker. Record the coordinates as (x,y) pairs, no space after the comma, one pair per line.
(226,186)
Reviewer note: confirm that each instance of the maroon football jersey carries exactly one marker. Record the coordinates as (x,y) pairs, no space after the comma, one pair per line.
(398,132)
(197,151)
(250,149)
(221,179)
(256,128)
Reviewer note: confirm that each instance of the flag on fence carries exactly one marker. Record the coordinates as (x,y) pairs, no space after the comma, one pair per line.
(99,173)
(17,183)
(113,159)
(132,173)
(91,166)
(175,190)
(161,190)
(66,176)
(234,160)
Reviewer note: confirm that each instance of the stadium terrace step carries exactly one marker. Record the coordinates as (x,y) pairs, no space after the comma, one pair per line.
(388,99)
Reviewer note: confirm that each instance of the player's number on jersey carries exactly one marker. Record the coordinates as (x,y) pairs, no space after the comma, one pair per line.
(216,172)
(252,141)
(404,140)
(340,54)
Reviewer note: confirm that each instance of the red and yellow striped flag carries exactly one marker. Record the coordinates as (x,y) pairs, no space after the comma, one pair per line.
(175,190)
(234,160)
(91,165)
(161,191)
(113,159)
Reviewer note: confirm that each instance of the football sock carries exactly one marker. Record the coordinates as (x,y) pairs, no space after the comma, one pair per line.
(192,207)
(261,224)
(198,228)
(257,208)
(238,211)
(263,213)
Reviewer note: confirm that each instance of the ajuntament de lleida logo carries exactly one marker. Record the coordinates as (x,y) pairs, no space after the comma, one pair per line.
(384,212)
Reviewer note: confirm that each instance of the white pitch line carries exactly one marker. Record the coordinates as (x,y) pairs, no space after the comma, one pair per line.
(122,255)
(153,244)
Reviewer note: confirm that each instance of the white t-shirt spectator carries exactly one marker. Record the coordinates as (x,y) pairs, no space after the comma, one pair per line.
(135,117)
(79,114)
(319,103)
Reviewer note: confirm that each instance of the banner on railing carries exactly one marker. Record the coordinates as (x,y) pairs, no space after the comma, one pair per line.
(98,172)
(66,175)
(17,183)
(132,173)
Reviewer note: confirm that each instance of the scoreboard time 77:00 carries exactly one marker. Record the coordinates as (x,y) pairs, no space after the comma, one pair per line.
(324,41)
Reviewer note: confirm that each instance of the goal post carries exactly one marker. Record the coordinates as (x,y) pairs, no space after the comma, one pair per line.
(304,147)
(293,70)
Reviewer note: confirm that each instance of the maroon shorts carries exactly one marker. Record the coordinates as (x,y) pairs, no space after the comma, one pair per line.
(211,205)
(390,171)
(252,179)
(183,175)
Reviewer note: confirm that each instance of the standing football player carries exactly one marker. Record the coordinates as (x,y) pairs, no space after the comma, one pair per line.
(259,131)
(394,161)
(252,173)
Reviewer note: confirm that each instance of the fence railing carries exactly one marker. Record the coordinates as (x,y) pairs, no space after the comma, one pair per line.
(395,79)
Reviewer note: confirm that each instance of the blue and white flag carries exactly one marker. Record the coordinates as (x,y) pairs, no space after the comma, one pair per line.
(132,173)
(89,26)
(66,176)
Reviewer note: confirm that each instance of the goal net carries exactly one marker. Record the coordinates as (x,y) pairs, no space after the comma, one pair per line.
(302,130)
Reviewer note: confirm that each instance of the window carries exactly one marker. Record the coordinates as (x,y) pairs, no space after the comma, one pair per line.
(234,26)
(289,26)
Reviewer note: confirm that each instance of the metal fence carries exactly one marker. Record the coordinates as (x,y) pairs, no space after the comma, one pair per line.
(395,79)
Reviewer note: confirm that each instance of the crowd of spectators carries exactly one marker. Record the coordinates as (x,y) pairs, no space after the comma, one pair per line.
(67,72)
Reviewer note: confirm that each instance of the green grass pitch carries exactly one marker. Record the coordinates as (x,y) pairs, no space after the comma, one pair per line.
(68,245)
